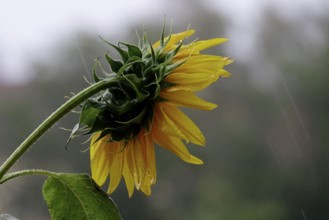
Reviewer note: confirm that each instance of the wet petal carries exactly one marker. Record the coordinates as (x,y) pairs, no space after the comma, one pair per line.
(165,124)
(174,39)
(129,179)
(190,81)
(99,162)
(196,47)
(207,62)
(176,146)
(148,149)
(205,44)
(117,167)
(130,148)
(146,186)
(140,161)
(186,99)
(185,124)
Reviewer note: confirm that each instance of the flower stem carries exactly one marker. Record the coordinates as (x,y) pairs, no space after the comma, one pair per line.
(51,120)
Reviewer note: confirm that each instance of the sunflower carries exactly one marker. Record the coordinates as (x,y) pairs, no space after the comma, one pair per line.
(141,107)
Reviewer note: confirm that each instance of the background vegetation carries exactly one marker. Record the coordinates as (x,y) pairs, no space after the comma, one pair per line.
(267,150)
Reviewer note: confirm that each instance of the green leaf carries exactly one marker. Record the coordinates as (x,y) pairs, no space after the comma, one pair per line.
(76,196)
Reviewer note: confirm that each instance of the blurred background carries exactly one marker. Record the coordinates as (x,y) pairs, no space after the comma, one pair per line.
(267,151)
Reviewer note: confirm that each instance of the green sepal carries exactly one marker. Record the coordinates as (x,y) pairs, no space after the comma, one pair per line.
(117,136)
(115,65)
(77,196)
(133,50)
(95,122)
(162,34)
(169,36)
(124,95)
(130,62)
(135,83)
(152,53)
(123,53)
(90,111)
(95,77)
(172,66)
(146,44)
(73,134)
(135,120)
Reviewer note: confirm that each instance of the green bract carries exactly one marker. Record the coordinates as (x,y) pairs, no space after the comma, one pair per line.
(126,105)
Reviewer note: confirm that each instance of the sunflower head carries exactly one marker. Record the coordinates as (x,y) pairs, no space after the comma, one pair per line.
(138,78)
(140,107)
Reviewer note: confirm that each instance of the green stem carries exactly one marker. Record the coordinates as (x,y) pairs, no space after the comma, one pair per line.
(51,120)
(26,172)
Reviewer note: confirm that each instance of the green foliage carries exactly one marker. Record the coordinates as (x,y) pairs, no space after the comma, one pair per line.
(76,196)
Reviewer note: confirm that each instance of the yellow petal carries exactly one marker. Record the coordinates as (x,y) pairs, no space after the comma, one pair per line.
(129,179)
(117,167)
(197,46)
(224,73)
(165,124)
(174,39)
(148,149)
(100,168)
(205,44)
(100,165)
(176,146)
(184,123)
(199,67)
(186,99)
(139,163)
(130,148)
(94,146)
(146,186)
(207,62)
(190,82)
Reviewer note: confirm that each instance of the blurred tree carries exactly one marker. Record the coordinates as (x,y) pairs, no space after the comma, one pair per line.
(299,51)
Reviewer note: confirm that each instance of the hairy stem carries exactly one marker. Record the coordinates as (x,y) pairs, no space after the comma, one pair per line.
(51,120)
(26,172)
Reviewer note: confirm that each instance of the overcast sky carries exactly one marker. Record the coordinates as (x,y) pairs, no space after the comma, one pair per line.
(29,27)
